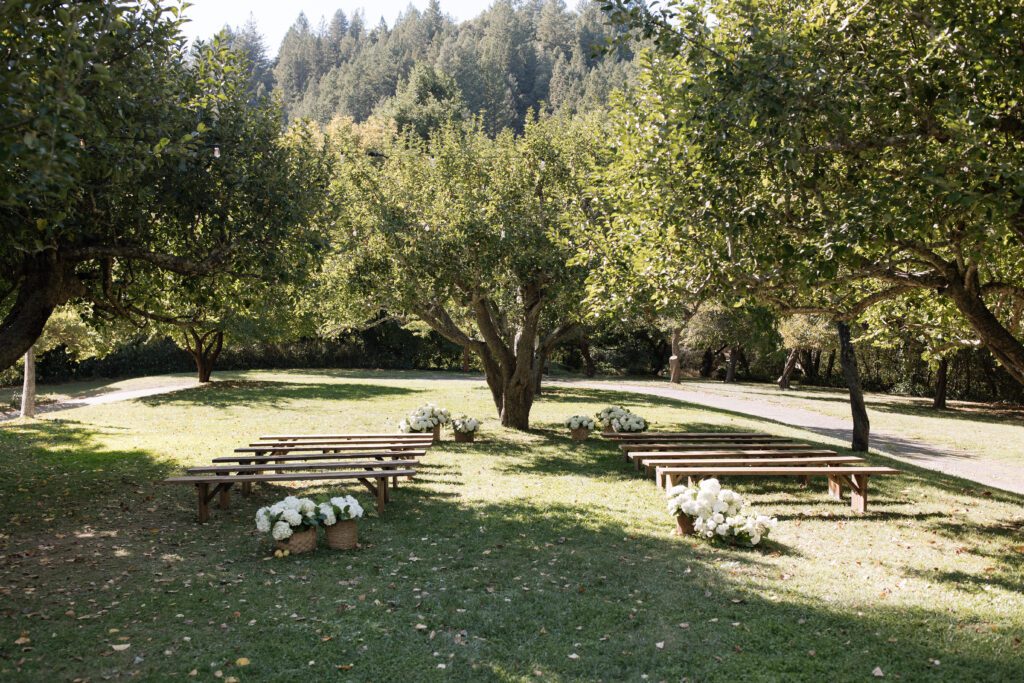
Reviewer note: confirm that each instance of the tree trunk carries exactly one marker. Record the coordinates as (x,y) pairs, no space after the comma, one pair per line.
(465,359)
(45,283)
(787,370)
(707,363)
(589,369)
(1008,350)
(730,372)
(204,349)
(540,363)
(848,360)
(28,386)
(941,383)
(808,366)
(830,366)
(744,362)
(675,374)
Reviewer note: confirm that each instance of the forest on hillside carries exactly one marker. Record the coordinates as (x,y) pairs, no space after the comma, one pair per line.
(514,58)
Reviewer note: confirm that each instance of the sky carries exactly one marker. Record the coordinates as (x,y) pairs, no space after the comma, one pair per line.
(274,17)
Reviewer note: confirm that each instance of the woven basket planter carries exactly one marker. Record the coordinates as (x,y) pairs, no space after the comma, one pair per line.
(342,535)
(608,430)
(464,437)
(684,526)
(437,433)
(300,542)
(580,434)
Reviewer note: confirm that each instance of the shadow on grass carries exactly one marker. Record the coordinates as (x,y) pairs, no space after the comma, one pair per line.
(257,392)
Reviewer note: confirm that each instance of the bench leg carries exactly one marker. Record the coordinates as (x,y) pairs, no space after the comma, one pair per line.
(805,481)
(835,487)
(382,494)
(859,493)
(247,487)
(224,498)
(203,494)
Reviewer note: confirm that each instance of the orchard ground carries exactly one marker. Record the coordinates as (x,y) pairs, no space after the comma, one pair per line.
(521,557)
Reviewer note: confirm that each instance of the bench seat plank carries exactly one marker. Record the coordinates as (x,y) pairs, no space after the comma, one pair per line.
(335,447)
(316,455)
(639,436)
(332,443)
(380,436)
(752,452)
(294,466)
(708,445)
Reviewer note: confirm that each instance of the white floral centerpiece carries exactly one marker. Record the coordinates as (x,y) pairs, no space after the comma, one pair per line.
(426,418)
(714,513)
(465,428)
(580,427)
(338,517)
(291,523)
(619,419)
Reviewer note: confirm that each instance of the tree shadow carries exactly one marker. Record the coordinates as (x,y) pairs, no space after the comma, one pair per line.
(262,392)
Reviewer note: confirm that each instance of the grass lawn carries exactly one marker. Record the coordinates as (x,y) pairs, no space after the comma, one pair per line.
(523,557)
(981,429)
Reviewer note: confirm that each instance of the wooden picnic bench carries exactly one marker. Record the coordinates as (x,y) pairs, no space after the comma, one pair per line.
(210,485)
(270,447)
(638,457)
(856,478)
(341,443)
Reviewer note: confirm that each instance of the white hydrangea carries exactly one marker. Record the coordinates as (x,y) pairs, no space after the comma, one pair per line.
(263,520)
(327,514)
(577,421)
(292,517)
(281,531)
(718,513)
(424,419)
(465,425)
(347,507)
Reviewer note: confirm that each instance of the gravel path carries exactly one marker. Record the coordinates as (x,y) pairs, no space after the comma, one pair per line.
(999,475)
(109,397)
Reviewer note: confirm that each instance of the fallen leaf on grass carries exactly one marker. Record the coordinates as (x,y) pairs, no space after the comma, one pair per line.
(23,640)
(120,647)
(574,656)
(242,661)
(877,672)
(660,645)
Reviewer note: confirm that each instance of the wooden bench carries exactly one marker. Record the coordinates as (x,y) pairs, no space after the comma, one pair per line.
(709,445)
(833,459)
(639,457)
(341,444)
(210,485)
(649,436)
(349,437)
(269,447)
(283,457)
(856,478)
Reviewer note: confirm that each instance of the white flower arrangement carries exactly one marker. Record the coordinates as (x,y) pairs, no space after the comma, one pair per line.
(339,509)
(465,425)
(620,419)
(580,421)
(283,518)
(424,419)
(719,514)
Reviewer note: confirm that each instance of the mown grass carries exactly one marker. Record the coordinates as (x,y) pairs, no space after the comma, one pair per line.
(523,557)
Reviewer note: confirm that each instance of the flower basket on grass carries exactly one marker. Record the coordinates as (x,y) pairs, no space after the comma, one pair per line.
(338,516)
(291,523)
(426,418)
(717,514)
(465,429)
(580,427)
(616,419)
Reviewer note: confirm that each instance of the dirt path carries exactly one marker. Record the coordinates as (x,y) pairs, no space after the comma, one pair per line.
(996,474)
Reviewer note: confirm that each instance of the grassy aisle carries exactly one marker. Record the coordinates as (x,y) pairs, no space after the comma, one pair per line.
(524,557)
